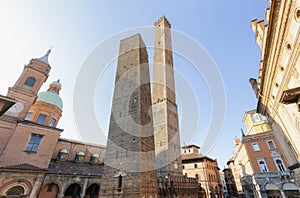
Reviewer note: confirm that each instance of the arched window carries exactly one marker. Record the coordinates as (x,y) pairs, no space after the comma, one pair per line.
(30,81)
(280,165)
(16,190)
(263,166)
(62,154)
(73,190)
(49,190)
(94,158)
(92,191)
(79,156)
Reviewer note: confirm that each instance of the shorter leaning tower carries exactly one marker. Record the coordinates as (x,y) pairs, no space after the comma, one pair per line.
(129,163)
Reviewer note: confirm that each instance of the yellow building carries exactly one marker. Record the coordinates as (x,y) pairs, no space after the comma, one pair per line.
(205,169)
(278,85)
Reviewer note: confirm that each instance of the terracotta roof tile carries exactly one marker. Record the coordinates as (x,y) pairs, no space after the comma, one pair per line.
(75,168)
(191,156)
(23,167)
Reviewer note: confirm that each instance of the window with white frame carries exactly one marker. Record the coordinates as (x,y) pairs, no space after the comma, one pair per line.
(262,165)
(255,146)
(271,144)
(255,117)
(262,117)
(280,165)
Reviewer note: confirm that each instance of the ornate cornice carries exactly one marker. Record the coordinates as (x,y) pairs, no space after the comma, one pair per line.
(250,139)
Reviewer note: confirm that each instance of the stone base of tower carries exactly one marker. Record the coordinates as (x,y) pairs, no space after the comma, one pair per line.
(141,185)
(178,187)
(117,183)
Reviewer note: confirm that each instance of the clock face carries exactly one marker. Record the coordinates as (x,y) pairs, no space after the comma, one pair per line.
(15,109)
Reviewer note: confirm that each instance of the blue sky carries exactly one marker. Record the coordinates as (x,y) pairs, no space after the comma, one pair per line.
(74,28)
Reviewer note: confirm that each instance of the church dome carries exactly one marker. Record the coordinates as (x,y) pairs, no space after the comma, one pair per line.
(51,98)
(57,83)
(51,95)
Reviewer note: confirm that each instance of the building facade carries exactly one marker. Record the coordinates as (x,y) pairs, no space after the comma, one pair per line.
(34,160)
(277,87)
(259,166)
(231,190)
(203,168)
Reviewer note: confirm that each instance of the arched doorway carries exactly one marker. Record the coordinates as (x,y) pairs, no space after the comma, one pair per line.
(92,191)
(16,190)
(73,191)
(290,190)
(49,191)
(272,191)
(201,193)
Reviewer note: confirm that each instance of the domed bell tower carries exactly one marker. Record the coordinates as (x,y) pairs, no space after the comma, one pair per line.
(47,109)
(28,85)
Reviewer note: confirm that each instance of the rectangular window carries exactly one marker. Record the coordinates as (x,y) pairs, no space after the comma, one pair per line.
(271,144)
(41,119)
(255,146)
(53,121)
(255,118)
(28,116)
(34,143)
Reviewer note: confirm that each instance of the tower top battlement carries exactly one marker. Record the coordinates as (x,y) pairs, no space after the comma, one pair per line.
(162,20)
(133,42)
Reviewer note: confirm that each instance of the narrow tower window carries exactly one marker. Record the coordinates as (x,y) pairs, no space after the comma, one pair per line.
(30,81)
(53,121)
(271,144)
(28,116)
(120,183)
(280,165)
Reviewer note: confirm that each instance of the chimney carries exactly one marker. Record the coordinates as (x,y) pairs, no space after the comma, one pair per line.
(254,86)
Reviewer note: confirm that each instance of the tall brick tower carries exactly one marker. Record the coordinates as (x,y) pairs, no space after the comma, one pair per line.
(129,163)
(28,85)
(165,119)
